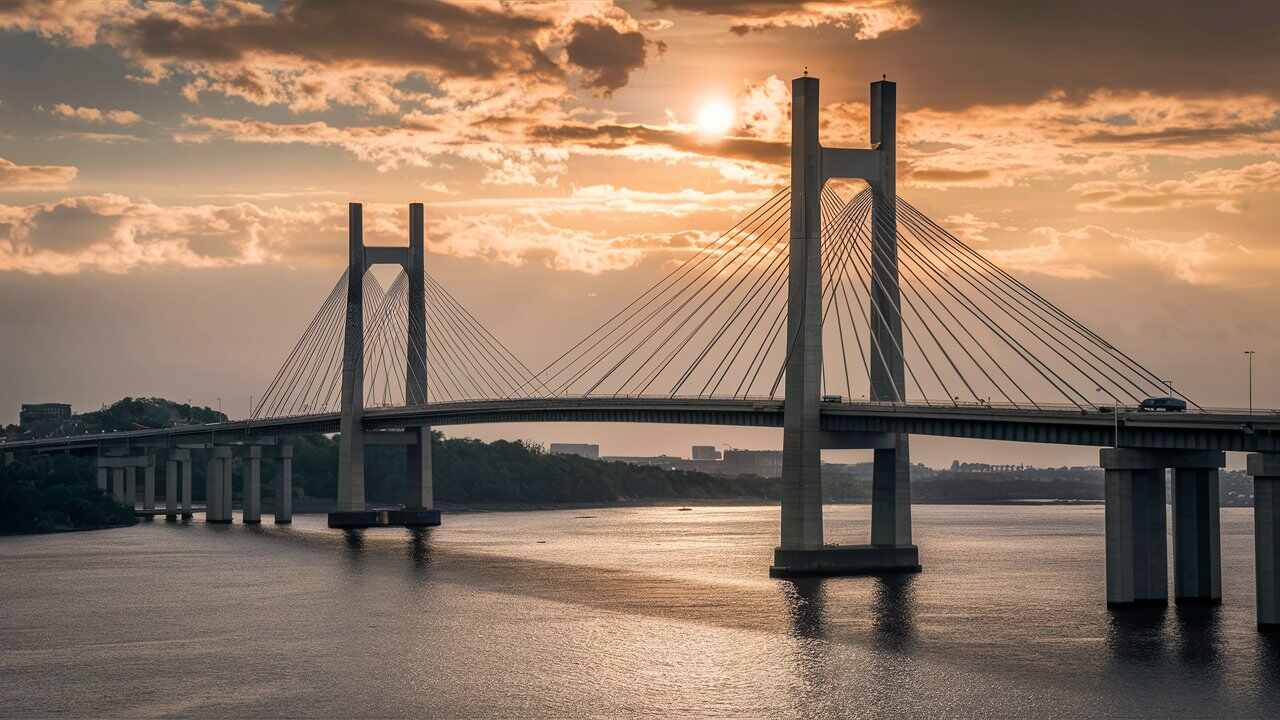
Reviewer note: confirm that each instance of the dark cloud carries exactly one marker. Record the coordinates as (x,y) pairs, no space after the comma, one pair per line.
(608,55)
(961,53)
(737,8)
(608,136)
(1168,136)
(465,41)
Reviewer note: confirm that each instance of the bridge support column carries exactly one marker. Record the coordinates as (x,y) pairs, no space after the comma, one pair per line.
(149,483)
(350,511)
(131,487)
(170,487)
(218,486)
(1265,469)
(1137,545)
(802,551)
(103,482)
(1197,538)
(253,487)
(801,452)
(284,487)
(184,459)
(117,484)
(419,503)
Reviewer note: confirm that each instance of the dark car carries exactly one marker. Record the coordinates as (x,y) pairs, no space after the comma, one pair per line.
(1163,404)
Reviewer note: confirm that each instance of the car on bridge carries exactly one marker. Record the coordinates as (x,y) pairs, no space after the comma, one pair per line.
(1163,404)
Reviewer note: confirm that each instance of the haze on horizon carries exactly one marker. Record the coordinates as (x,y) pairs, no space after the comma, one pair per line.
(174,176)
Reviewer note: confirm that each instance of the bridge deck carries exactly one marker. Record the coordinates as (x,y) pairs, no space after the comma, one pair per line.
(1234,431)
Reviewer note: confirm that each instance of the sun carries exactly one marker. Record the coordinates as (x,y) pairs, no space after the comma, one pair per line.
(715,117)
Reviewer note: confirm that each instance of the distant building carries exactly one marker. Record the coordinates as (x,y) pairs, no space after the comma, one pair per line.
(705,452)
(957,466)
(666,462)
(586,450)
(765,463)
(708,459)
(43,413)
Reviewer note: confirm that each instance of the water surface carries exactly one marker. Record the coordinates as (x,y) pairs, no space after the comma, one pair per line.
(606,612)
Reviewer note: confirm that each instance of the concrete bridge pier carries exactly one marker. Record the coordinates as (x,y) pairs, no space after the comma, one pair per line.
(1197,535)
(1136,526)
(419,503)
(131,487)
(284,487)
(149,483)
(218,486)
(170,487)
(253,487)
(1265,469)
(183,458)
(103,481)
(117,484)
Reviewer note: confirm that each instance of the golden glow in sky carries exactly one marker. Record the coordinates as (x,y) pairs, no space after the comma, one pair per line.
(715,117)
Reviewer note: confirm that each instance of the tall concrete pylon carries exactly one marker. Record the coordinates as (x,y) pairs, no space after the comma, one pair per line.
(802,550)
(350,510)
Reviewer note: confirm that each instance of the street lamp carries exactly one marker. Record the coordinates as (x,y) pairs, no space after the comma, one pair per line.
(1250,354)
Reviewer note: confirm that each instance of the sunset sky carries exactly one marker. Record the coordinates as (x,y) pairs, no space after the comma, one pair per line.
(174,176)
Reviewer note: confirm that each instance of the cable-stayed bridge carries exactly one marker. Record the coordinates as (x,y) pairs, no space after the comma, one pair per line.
(848,320)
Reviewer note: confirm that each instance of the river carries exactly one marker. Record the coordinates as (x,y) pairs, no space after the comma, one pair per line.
(607,612)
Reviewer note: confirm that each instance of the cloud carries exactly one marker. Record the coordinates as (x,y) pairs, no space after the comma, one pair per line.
(1222,189)
(118,234)
(94,115)
(1091,252)
(309,54)
(14,177)
(973,228)
(519,240)
(389,147)
(608,55)
(867,18)
(610,200)
(114,233)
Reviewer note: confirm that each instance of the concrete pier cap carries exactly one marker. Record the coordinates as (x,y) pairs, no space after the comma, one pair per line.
(1144,459)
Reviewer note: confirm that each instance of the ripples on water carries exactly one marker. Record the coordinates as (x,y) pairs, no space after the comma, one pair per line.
(632,611)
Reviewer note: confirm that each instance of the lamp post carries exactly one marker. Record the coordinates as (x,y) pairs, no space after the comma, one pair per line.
(1250,354)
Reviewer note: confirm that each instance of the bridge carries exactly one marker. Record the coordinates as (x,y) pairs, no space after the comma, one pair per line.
(849,319)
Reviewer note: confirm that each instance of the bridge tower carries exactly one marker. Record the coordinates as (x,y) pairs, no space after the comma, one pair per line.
(802,551)
(351,511)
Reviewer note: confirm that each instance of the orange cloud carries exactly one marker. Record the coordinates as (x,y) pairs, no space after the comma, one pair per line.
(1223,189)
(94,115)
(34,177)
(869,19)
